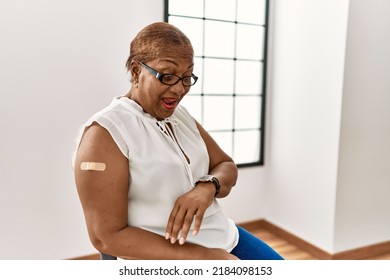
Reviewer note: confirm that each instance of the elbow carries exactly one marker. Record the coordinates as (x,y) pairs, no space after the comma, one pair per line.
(104,241)
(234,173)
(101,243)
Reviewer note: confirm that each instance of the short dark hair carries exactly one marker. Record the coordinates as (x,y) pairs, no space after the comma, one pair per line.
(153,39)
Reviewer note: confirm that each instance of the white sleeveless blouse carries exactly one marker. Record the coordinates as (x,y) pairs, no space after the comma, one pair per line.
(159,169)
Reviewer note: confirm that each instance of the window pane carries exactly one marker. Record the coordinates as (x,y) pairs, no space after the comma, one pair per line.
(193,28)
(218,76)
(219,39)
(246,146)
(250,41)
(251,11)
(224,140)
(218,113)
(249,76)
(180,7)
(248,112)
(198,71)
(220,9)
(229,42)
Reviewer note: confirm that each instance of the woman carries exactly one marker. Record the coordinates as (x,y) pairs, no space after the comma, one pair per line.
(148,174)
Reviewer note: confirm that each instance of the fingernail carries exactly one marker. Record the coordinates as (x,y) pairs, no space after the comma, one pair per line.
(173,240)
(182,240)
(194,232)
(167,236)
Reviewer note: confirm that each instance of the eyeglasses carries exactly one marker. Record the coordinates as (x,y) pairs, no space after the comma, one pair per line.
(172,79)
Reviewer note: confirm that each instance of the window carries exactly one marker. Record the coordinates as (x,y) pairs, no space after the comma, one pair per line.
(229,38)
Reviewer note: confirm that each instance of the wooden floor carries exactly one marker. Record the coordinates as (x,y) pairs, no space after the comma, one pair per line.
(283,247)
(290,251)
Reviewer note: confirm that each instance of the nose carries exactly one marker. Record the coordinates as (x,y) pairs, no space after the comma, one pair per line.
(179,88)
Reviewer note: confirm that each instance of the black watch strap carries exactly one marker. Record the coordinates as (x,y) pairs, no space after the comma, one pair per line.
(210,178)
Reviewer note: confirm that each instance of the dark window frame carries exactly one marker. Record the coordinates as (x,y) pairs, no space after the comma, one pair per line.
(263,93)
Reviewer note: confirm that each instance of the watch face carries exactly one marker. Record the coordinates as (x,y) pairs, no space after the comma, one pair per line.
(207,178)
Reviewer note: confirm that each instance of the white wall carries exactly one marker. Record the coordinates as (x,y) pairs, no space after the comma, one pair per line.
(246,202)
(363,188)
(307,79)
(327,178)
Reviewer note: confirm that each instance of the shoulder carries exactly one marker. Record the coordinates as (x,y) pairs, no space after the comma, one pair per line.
(181,110)
(97,146)
(183,115)
(116,123)
(97,141)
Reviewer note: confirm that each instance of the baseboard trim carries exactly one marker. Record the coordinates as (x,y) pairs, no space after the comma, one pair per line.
(365,252)
(291,238)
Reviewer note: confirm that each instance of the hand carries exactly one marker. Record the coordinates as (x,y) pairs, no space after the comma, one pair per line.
(189,205)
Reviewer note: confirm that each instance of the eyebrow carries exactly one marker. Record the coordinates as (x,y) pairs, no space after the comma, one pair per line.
(173,62)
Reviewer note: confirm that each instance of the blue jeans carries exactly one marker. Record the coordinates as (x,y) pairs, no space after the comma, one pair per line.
(250,247)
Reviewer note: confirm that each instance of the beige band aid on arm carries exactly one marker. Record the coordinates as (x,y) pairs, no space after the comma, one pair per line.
(94,166)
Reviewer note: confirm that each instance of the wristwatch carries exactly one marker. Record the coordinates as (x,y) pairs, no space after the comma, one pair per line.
(210,178)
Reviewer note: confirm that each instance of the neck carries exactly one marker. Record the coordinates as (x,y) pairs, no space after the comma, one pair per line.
(131,95)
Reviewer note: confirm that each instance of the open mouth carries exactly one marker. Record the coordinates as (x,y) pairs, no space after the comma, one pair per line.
(170,103)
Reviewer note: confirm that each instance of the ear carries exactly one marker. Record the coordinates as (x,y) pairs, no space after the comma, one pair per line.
(135,70)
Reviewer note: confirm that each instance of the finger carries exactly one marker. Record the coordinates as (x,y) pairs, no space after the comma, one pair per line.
(171,219)
(198,221)
(177,225)
(186,227)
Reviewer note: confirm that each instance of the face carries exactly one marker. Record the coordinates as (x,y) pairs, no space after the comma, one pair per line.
(156,98)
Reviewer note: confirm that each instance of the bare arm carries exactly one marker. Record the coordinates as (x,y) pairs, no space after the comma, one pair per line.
(221,165)
(193,204)
(104,194)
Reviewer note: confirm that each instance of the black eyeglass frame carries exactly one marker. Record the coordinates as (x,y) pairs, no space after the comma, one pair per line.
(160,77)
